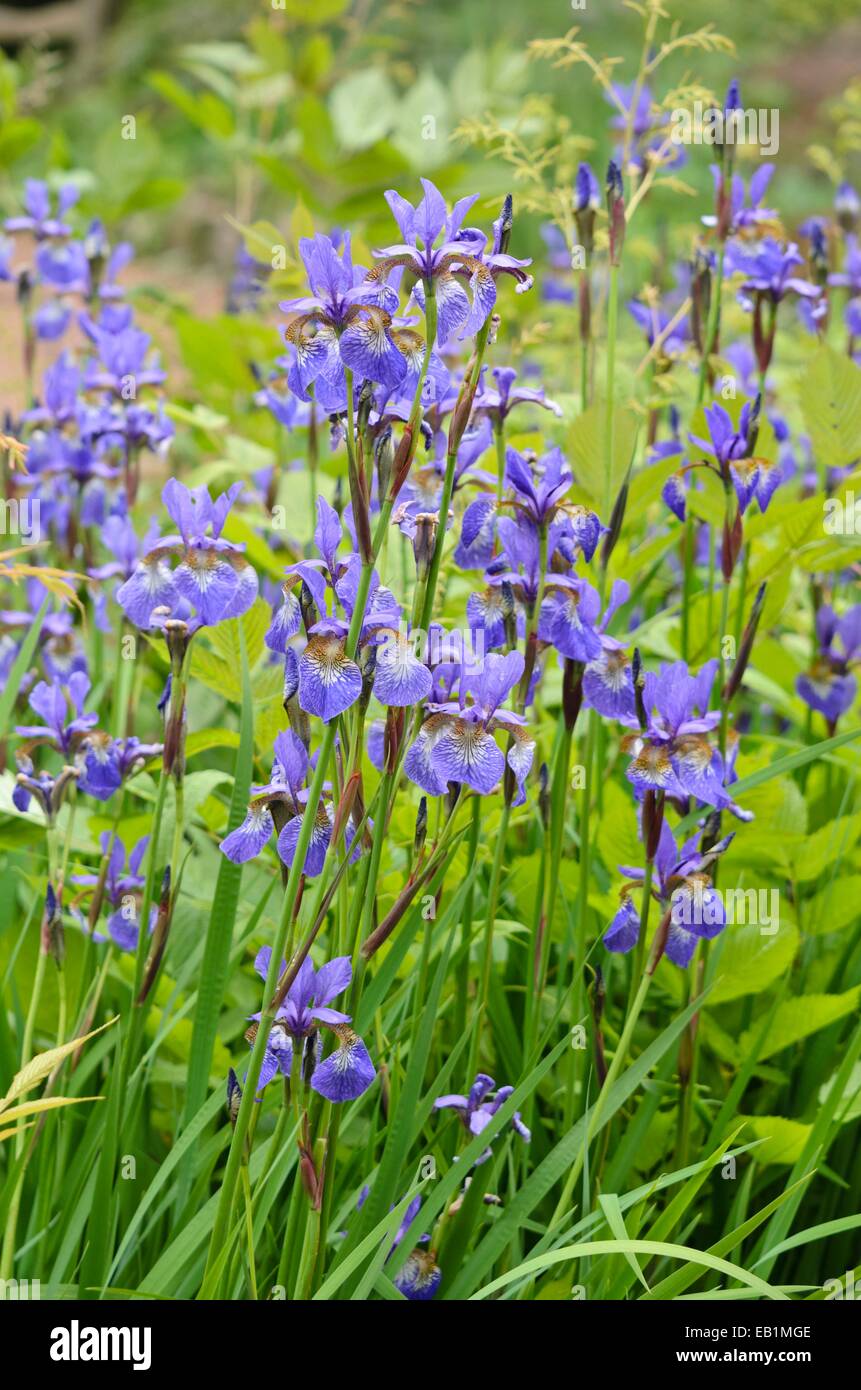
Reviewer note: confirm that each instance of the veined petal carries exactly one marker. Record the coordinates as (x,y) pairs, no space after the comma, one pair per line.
(674,493)
(483,288)
(624,930)
(652,769)
(248,839)
(419,765)
(608,685)
(571,636)
(368,350)
(207,579)
(149,586)
(317,845)
(519,758)
(348,1071)
(400,679)
(328,681)
(286,621)
(466,752)
(419,1277)
(452,303)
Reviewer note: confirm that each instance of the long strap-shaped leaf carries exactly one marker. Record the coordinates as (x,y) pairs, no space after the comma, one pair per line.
(632,1247)
(558,1162)
(19,667)
(219,933)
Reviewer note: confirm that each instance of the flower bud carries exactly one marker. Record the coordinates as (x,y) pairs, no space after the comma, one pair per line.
(572,691)
(384,458)
(503,225)
(745,647)
(847,207)
(615,212)
(234,1096)
(544,795)
(638,676)
(421,829)
(424,542)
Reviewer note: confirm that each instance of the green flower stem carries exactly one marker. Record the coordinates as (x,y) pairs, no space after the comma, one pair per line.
(487,956)
(615,1067)
(712,326)
(231,1173)
(499,441)
(462,981)
(467,390)
(610,402)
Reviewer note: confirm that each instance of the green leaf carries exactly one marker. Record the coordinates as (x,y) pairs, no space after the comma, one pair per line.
(831,404)
(798,1018)
(782,1140)
(557,1163)
(219,932)
(586,445)
(21,665)
(750,960)
(630,1247)
(363,107)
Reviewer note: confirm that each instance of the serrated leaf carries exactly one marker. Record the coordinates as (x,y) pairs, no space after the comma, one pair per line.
(830,392)
(798,1018)
(782,1140)
(586,444)
(363,108)
(750,960)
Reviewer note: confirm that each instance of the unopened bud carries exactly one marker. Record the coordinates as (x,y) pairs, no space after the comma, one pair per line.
(421,827)
(745,647)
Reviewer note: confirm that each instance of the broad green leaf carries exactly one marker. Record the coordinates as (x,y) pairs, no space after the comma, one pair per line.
(798,1018)
(782,1140)
(831,404)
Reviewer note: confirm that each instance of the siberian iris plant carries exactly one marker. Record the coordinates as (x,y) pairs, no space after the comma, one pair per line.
(300,619)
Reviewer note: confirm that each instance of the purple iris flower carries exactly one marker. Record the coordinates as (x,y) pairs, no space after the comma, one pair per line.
(850,276)
(745,203)
(348,1070)
(62,382)
(123,360)
(213,574)
(644,124)
(654,320)
(536,495)
(54,704)
(40,219)
(680,883)
(587,192)
(460,257)
(63,265)
(830,687)
(673,753)
(122,890)
(769,269)
(608,682)
(730,446)
(456,743)
(280,804)
(476,1110)
(338,326)
(498,404)
(330,681)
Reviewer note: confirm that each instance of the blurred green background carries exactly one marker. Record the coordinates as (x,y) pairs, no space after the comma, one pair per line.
(299,113)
